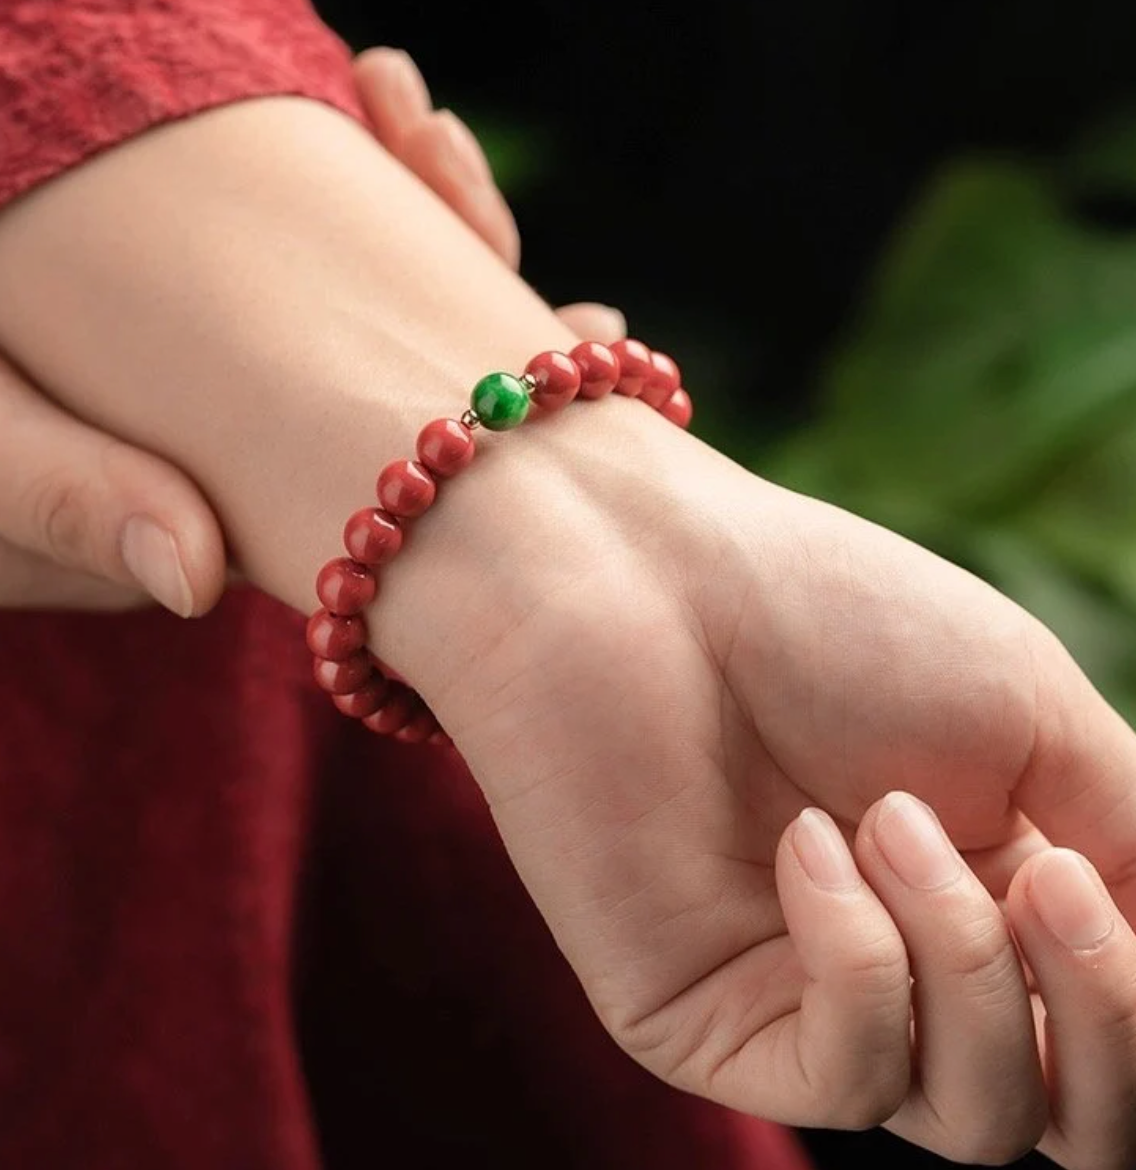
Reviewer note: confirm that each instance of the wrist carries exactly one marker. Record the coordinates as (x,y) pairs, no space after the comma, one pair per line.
(278,343)
(552,522)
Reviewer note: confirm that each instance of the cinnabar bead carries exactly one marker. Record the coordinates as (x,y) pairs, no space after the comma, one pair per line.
(445,446)
(335,636)
(372,536)
(599,369)
(340,678)
(366,700)
(345,587)
(665,379)
(557,379)
(634,367)
(406,488)
(678,408)
(419,729)
(399,708)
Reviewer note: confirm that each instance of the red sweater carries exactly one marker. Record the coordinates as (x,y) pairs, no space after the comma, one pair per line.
(236,931)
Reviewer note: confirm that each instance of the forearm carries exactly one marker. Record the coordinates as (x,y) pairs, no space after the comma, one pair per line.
(267,298)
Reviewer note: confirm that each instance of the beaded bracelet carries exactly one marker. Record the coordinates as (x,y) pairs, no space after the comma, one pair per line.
(358,684)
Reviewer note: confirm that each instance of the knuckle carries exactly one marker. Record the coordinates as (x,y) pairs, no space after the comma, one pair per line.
(985,960)
(877,970)
(60,515)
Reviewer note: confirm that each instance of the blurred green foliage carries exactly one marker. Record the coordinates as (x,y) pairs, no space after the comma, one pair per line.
(984,402)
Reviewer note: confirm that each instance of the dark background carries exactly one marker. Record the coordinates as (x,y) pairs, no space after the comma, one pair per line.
(726,172)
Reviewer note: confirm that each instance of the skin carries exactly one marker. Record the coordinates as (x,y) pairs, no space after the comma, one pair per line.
(67,489)
(654,662)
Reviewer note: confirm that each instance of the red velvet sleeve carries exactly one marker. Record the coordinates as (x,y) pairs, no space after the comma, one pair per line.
(78,76)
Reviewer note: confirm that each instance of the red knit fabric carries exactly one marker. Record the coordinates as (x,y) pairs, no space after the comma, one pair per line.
(236,930)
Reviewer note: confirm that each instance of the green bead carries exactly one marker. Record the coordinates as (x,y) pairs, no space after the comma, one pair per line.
(501,401)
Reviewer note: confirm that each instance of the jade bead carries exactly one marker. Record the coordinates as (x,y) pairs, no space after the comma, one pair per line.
(501,401)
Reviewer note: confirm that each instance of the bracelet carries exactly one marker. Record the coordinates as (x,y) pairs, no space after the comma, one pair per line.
(359,685)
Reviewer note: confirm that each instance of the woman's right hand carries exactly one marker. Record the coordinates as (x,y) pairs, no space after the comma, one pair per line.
(680,662)
(88,521)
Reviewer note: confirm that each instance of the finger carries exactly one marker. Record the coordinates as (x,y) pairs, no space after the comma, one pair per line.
(31,581)
(843,1059)
(393,94)
(445,155)
(980,1095)
(1079,785)
(995,867)
(88,502)
(1083,956)
(594,322)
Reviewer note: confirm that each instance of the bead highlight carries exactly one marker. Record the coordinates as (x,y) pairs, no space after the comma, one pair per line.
(405,488)
(358,682)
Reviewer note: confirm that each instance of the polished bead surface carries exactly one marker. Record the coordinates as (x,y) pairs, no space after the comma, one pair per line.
(365,700)
(678,408)
(634,366)
(340,678)
(419,729)
(399,708)
(501,401)
(334,636)
(664,380)
(445,446)
(599,369)
(405,488)
(372,536)
(557,379)
(345,586)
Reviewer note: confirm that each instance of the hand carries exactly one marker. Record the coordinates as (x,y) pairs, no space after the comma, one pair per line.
(90,522)
(652,660)
(682,660)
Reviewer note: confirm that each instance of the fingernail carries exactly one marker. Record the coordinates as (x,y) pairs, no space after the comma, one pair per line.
(913,843)
(466,156)
(1071,900)
(407,96)
(151,555)
(821,850)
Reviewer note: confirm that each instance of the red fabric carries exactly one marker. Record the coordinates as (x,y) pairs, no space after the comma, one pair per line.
(236,930)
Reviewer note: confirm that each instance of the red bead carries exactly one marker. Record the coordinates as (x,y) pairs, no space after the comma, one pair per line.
(665,379)
(372,536)
(346,587)
(634,367)
(406,488)
(400,707)
(445,446)
(439,738)
(333,636)
(678,408)
(366,700)
(557,379)
(340,678)
(419,729)
(599,369)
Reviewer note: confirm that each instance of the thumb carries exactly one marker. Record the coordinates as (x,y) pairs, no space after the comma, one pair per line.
(89,502)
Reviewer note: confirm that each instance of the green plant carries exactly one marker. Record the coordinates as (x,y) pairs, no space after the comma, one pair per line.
(985,403)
